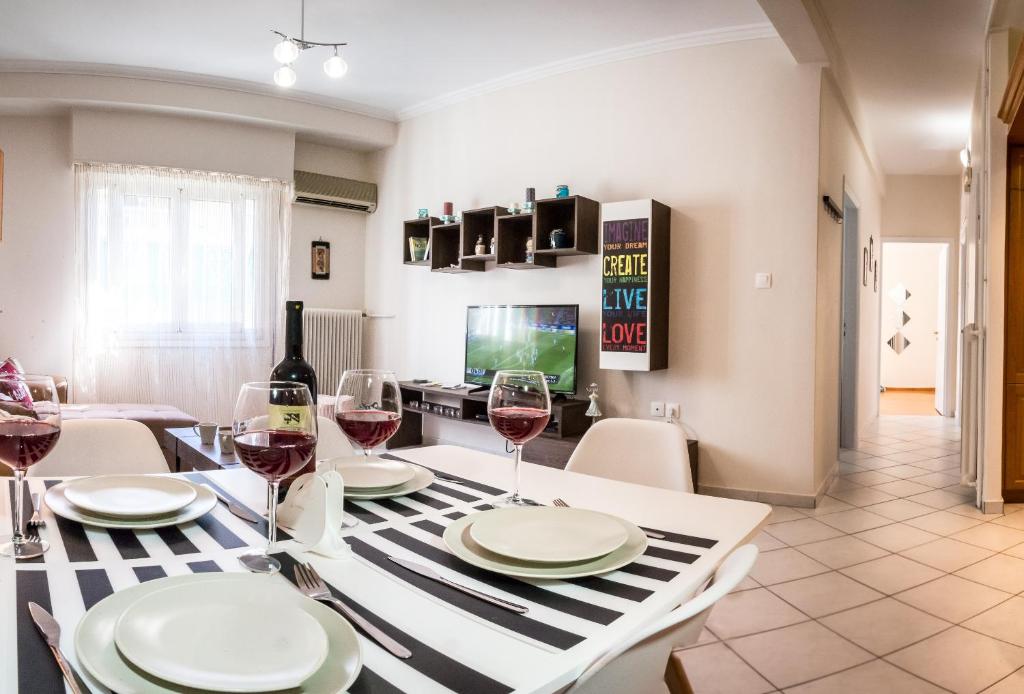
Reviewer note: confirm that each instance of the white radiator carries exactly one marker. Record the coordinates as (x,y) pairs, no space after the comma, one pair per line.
(332,343)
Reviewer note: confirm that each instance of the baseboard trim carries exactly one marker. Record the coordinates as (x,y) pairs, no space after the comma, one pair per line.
(992,506)
(773,498)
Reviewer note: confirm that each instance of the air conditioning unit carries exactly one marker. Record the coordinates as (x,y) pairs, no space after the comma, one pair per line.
(331,191)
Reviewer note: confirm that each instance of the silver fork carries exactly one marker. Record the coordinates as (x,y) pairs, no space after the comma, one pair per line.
(32,536)
(312,586)
(36,521)
(649,533)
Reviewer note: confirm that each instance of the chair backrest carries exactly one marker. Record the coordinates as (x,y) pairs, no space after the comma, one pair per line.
(635,450)
(637,665)
(330,441)
(102,447)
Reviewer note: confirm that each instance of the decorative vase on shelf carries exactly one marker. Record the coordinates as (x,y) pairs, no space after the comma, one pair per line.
(531,197)
(422,213)
(562,191)
(558,238)
(480,248)
(417,248)
(494,246)
(529,250)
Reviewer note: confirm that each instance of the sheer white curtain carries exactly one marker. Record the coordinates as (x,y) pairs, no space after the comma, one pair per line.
(181,276)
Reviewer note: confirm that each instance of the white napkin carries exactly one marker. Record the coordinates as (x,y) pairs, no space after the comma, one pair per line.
(313,512)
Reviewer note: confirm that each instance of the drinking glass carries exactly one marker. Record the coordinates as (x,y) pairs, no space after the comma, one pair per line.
(275,436)
(368,407)
(29,429)
(519,408)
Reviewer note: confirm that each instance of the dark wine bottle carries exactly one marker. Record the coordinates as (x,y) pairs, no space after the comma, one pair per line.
(294,367)
(284,412)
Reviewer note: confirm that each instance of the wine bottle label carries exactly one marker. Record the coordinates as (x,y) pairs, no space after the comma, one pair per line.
(289,416)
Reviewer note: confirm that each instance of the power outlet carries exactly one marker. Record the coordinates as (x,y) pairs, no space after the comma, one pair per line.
(672,410)
(657,408)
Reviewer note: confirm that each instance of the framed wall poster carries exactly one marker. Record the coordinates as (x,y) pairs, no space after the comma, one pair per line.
(320,257)
(635,253)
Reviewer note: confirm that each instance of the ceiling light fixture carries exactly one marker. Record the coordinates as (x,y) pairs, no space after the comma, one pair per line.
(289,48)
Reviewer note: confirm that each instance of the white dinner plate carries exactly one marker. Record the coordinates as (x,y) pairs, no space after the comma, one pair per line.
(460,541)
(422,478)
(58,503)
(240,635)
(548,533)
(130,495)
(97,652)
(374,474)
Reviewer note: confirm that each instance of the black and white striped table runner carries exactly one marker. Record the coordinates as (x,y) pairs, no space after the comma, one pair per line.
(87,564)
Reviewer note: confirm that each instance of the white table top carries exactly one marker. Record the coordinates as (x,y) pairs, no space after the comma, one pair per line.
(520,663)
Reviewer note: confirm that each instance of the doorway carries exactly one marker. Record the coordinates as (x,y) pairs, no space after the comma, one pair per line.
(914,363)
(850,337)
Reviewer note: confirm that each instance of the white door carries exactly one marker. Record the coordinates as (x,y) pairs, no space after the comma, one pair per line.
(942,271)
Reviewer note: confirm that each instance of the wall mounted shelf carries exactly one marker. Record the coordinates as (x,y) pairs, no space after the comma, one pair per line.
(453,245)
(419,228)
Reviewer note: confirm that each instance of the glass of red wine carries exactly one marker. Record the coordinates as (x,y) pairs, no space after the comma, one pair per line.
(519,408)
(29,429)
(275,436)
(368,407)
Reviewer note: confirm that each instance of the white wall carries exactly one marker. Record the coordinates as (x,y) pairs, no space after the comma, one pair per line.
(921,206)
(343,229)
(727,137)
(843,165)
(915,266)
(37,270)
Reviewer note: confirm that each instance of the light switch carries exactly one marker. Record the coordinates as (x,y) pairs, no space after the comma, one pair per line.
(762,280)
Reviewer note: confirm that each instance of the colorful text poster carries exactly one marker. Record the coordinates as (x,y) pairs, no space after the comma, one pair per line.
(624,285)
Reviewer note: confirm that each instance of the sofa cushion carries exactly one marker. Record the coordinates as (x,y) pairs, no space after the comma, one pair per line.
(156,417)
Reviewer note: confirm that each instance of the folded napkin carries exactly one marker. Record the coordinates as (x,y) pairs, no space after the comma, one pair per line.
(314,514)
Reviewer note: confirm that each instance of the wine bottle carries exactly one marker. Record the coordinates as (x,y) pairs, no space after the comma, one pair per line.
(294,367)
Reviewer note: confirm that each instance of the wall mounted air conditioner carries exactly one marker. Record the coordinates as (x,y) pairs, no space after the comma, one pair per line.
(331,191)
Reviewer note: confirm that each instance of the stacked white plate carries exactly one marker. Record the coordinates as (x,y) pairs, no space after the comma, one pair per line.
(545,542)
(130,501)
(379,478)
(217,633)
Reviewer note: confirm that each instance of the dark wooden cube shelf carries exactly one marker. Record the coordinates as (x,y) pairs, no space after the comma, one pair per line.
(419,228)
(578,216)
(513,231)
(475,224)
(445,244)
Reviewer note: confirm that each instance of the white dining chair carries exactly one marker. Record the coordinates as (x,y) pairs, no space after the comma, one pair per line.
(638,664)
(331,442)
(635,450)
(102,447)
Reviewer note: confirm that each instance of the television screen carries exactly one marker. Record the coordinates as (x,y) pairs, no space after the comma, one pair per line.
(537,338)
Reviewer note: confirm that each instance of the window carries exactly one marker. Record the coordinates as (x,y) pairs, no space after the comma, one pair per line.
(180,260)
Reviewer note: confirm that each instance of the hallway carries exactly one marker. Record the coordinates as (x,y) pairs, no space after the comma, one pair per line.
(895,584)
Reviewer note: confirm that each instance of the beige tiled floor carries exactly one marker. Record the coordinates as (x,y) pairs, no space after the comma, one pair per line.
(895,584)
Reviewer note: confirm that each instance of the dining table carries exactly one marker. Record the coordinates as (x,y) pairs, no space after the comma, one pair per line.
(459,643)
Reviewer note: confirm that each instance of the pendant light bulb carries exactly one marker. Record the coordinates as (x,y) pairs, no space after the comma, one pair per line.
(335,66)
(284,76)
(286,51)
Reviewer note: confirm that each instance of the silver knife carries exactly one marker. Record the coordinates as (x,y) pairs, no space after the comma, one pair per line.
(427,572)
(236,508)
(50,630)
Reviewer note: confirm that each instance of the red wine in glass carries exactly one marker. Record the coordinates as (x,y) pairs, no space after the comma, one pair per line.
(275,454)
(518,424)
(25,443)
(368,428)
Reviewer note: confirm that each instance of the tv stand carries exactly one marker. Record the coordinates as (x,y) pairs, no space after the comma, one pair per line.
(478,389)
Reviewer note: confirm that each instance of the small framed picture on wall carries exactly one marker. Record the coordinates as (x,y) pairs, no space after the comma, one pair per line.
(321,260)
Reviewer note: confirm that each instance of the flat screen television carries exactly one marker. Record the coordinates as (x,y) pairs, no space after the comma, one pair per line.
(537,338)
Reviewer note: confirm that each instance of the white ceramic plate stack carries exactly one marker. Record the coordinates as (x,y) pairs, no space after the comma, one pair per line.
(379,478)
(217,633)
(130,501)
(545,542)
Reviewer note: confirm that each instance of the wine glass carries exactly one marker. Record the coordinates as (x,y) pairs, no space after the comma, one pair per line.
(368,407)
(519,408)
(275,436)
(29,429)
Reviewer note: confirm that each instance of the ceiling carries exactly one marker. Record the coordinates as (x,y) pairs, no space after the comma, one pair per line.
(403,54)
(913,66)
